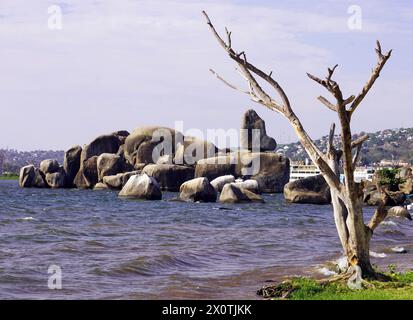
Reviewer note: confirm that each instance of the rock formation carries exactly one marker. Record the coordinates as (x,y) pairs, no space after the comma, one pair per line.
(197,190)
(108,164)
(233,194)
(261,142)
(170,177)
(140,144)
(220,182)
(71,164)
(309,190)
(141,187)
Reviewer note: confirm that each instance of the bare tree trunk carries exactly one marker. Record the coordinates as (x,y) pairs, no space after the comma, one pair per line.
(347,197)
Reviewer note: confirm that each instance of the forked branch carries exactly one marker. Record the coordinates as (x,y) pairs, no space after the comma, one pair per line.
(381,212)
(331,85)
(382,59)
(284,107)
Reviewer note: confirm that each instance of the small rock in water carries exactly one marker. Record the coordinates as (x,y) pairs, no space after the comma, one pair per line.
(399,250)
(342,264)
(378,255)
(327,272)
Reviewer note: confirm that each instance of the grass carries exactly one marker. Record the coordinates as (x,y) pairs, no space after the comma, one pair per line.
(399,288)
(9,177)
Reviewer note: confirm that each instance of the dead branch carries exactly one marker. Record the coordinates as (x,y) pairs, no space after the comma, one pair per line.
(227,83)
(381,212)
(359,141)
(346,197)
(382,59)
(331,85)
(284,108)
(327,103)
(356,157)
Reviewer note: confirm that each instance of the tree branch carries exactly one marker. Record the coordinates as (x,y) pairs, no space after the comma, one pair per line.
(375,74)
(285,108)
(349,100)
(358,144)
(359,141)
(327,103)
(330,143)
(381,212)
(356,157)
(227,83)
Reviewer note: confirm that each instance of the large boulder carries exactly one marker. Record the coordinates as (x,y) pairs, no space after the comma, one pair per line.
(169,176)
(56,180)
(31,177)
(309,190)
(140,144)
(256,140)
(71,163)
(271,170)
(215,167)
(141,187)
(103,144)
(27,176)
(108,164)
(399,212)
(118,181)
(49,166)
(193,149)
(233,194)
(197,190)
(220,182)
(39,179)
(250,185)
(122,135)
(372,196)
(87,176)
(100,186)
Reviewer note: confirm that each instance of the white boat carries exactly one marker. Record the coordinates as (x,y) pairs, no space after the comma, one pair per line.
(300,171)
(364,173)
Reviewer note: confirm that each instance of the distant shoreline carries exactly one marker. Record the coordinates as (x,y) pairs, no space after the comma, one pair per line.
(9,177)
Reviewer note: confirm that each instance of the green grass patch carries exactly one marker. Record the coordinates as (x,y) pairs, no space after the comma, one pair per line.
(400,287)
(9,177)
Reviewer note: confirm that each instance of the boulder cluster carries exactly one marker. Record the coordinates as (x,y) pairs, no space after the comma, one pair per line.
(315,190)
(150,160)
(397,195)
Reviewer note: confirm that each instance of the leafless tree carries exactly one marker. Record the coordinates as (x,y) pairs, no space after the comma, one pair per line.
(347,196)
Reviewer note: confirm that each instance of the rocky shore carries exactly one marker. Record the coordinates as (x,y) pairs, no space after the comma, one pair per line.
(150,160)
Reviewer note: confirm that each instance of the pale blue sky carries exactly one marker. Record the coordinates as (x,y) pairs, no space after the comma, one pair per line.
(122,64)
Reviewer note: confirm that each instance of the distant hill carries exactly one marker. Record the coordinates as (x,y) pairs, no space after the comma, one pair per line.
(12,160)
(386,144)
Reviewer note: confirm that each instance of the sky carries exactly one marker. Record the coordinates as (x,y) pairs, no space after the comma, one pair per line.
(123,64)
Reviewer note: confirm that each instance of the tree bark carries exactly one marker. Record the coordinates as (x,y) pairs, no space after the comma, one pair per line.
(347,196)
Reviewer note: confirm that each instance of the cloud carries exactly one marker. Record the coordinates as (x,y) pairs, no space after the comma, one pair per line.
(122,64)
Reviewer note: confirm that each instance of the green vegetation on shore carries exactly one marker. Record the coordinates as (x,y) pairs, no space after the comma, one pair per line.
(9,177)
(400,287)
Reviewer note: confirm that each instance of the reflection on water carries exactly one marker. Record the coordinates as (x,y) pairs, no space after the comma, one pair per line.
(124,249)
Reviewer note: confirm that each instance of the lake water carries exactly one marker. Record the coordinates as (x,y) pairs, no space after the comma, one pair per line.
(109,248)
